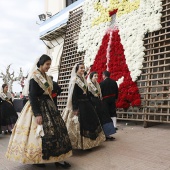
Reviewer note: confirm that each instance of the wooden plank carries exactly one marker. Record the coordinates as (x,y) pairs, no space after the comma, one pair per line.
(154,82)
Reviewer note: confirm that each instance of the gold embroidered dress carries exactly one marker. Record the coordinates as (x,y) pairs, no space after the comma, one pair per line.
(55,145)
(84,130)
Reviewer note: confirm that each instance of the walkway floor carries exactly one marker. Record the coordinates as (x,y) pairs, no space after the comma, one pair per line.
(135,148)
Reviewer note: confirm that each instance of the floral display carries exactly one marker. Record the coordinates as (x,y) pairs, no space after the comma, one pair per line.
(128,90)
(112,33)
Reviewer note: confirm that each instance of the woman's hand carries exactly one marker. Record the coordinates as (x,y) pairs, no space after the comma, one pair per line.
(39,120)
(76,112)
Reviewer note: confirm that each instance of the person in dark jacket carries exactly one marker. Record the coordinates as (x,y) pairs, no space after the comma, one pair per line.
(56,91)
(109,91)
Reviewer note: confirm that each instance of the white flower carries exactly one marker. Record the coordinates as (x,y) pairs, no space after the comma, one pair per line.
(132,28)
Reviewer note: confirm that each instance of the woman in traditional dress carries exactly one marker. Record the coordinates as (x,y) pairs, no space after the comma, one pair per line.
(96,96)
(81,119)
(40,135)
(8,113)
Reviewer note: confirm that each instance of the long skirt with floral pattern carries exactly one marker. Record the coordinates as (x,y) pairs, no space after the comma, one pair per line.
(54,146)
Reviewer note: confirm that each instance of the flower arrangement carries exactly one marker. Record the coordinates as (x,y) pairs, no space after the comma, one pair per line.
(128,90)
(112,34)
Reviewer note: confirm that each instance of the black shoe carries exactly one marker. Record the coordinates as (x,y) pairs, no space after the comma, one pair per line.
(9,131)
(40,165)
(116,128)
(65,165)
(110,138)
(89,150)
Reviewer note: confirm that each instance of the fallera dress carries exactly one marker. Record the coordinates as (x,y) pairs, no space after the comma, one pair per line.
(24,146)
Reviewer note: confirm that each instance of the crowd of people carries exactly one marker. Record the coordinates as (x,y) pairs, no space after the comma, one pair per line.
(41,134)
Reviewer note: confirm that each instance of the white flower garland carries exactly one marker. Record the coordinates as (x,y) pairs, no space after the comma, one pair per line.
(132,28)
(108,50)
(90,38)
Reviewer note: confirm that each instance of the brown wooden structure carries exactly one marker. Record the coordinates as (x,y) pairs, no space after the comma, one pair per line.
(70,56)
(154,82)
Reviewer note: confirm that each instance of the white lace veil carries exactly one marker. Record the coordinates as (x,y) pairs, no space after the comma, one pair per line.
(1,90)
(89,80)
(25,91)
(71,87)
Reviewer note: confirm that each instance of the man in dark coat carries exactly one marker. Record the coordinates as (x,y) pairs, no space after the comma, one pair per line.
(109,91)
(56,91)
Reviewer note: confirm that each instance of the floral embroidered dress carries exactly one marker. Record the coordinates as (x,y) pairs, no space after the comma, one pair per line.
(24,146)
(84,130)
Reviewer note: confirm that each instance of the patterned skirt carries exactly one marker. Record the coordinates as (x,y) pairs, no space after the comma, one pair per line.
(26,148)
(77,140)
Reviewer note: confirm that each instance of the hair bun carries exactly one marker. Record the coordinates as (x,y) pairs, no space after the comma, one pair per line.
(43,59)
(38,64)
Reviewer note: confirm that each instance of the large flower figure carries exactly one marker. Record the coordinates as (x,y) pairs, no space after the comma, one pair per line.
(112,35)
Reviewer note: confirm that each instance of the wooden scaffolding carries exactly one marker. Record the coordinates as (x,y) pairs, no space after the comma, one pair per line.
(154,82)
(69,56)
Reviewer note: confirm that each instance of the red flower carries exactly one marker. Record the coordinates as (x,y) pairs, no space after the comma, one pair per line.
(136,102)
(122,104)
(112,12)
(128,90)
